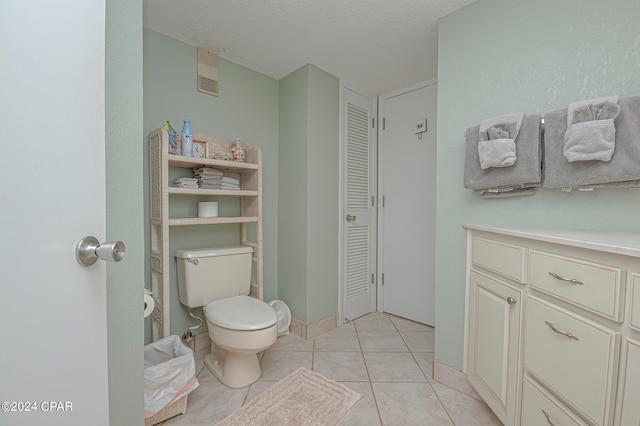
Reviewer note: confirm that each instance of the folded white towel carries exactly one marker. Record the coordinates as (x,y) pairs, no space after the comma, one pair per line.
(206,171)
(516,117)
(184,180)
(186,185)
(590,140)
(227,179)
(597,101)
(210,179)
(218,186)
(497,153)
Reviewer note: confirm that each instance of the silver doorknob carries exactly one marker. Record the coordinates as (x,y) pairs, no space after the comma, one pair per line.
(351,218)
(89,250)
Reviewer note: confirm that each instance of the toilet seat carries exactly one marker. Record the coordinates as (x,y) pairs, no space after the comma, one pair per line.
(243,313)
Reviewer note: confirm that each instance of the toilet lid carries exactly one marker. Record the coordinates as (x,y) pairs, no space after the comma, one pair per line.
(241,313)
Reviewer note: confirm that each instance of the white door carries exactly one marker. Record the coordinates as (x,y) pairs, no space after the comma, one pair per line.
(52,310)
(358,213)
(407,180)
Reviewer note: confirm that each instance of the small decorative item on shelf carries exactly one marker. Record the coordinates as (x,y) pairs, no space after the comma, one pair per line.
(237,150)
(174,145)
(219,150)
(187,139)
(200,149)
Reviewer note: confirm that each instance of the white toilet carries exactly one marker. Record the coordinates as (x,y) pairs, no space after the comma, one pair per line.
(240,326)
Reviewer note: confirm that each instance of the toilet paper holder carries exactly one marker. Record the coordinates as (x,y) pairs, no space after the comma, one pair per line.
(89,250)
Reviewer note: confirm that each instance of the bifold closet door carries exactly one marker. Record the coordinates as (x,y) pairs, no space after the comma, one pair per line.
(358,237)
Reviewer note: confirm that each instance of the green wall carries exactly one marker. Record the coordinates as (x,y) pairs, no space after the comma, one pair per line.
(502,56)
(247,107)
(323,191)
(124,195)
(308,203)
(292,201)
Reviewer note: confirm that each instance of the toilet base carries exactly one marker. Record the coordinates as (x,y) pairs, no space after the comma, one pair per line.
(235,370)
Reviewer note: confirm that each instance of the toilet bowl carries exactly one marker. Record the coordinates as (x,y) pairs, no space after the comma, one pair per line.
(239,327)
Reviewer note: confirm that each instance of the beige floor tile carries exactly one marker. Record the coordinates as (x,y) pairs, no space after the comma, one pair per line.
(403,324)
(419,341)
(463,409)
(258,388)
(393,367)
(425,362)
(209,403)
(404,404)
(277,364)
(341,366)
(292,342)
(365,411)
(340,340)
(402,390)
(374,321)
(382,341)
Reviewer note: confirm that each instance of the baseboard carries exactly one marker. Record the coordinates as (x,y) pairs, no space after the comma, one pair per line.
(454,379)
(314,329)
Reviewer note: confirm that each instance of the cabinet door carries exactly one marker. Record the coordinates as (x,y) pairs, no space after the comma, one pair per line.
(493,366)
(630,413)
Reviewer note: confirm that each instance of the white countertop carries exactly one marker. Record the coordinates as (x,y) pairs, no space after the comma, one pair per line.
(625,243)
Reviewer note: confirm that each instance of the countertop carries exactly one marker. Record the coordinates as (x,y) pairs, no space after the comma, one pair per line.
(625,243)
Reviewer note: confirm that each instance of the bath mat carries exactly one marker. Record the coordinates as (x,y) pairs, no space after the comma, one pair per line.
(302,398)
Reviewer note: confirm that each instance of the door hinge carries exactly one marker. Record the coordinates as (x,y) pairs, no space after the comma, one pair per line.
(373,122)
(384,123)
(372,200)
(383,278)
(372,278)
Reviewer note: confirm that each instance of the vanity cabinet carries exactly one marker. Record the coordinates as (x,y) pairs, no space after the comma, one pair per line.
(566,350)
(163,194)
(495,312)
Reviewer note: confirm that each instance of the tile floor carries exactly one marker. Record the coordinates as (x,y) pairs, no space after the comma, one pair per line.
(385,358)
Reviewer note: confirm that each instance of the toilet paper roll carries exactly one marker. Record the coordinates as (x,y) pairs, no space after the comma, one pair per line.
(149,304)
(208,209)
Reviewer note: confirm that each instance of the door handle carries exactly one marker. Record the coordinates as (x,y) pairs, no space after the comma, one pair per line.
(89,250)
(351,218)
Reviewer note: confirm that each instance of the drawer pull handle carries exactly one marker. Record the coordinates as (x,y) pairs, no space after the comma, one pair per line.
(511,300)
(548,416)
(569,280)
(564,333)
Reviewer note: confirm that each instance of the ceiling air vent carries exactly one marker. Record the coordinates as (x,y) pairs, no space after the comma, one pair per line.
(207,72)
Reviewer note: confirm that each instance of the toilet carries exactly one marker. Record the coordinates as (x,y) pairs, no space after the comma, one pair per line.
(240,326)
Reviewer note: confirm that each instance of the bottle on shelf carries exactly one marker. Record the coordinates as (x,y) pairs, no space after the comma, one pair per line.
(187,139)
(237,150)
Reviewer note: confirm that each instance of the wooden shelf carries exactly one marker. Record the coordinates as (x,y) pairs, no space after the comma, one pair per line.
(220,192)
(162,195)
(211,220)
(223,165)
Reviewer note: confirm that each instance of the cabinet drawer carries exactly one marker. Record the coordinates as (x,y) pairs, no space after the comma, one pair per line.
(592,286)
(635,302)
(504,259)
(580,366)
(539,407)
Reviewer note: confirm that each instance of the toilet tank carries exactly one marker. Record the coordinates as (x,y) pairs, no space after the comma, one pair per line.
(205,275)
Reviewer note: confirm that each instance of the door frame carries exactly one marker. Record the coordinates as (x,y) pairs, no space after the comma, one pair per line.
(380,178)
(374,211)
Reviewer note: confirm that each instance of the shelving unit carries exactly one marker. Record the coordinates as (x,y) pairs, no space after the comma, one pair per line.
(161,193)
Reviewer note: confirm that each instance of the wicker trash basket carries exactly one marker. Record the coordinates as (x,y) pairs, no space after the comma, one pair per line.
(179,406)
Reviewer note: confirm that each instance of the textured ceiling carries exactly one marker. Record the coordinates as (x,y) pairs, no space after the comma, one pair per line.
(374,46)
